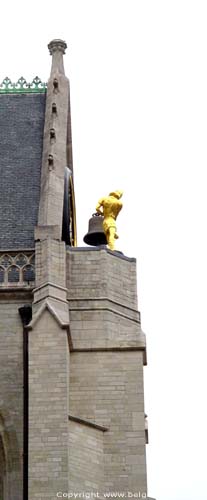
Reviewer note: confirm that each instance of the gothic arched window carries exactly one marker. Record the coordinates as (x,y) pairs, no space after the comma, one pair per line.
(13,274)
(1,278)
(28,273)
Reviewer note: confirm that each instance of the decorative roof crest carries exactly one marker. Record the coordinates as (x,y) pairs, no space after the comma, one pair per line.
(22,87)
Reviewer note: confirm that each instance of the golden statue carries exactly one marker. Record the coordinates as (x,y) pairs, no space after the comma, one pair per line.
(109,207)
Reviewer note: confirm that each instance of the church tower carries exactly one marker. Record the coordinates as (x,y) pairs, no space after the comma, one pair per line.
(72,417)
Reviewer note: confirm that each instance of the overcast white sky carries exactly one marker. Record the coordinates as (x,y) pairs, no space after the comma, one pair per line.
(138,73)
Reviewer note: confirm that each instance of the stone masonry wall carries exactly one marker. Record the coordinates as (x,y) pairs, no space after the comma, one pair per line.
(85,458)
(11,393)
(102,298)
(48,408)
(106,388)
(106,374)
(97,273)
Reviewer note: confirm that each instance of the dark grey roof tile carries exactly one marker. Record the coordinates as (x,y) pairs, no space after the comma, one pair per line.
(21,138)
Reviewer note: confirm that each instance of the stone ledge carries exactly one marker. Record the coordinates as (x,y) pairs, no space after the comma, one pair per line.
(99,299)
(88,423)
(16,250)
(101,248)
(51,290)
(113,349)
(46,232)
(16,293)
(103,304)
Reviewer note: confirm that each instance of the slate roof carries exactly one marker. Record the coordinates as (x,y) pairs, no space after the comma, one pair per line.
(21,139)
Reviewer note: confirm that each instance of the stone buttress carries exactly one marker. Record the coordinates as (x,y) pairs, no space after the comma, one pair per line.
(49,336)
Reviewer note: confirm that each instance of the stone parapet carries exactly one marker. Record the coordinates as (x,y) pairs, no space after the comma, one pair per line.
(98,272)
(102,296)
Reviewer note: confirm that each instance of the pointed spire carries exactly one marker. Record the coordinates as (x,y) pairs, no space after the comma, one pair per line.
(57,49)
(54,145)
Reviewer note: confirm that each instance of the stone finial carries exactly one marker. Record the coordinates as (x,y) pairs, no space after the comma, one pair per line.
(57,44)
(57,49)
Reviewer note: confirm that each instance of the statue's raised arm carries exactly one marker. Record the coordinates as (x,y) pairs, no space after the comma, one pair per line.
(98,206)
(109,207)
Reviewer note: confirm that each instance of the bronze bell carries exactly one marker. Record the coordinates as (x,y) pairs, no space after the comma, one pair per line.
(95,235)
